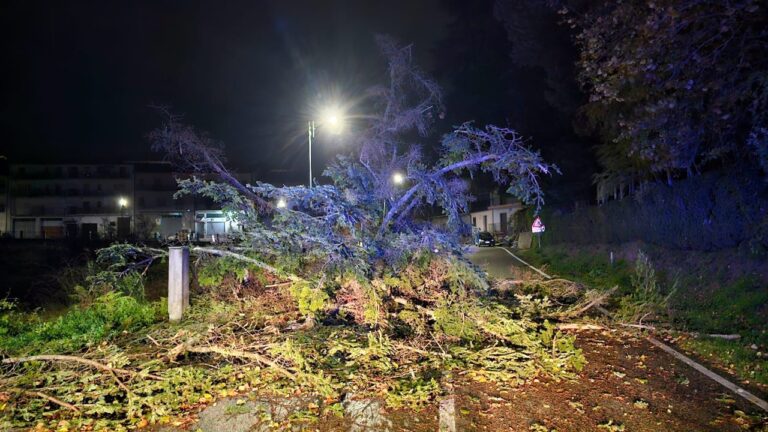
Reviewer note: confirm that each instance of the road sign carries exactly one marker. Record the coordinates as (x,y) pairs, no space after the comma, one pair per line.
(537,226)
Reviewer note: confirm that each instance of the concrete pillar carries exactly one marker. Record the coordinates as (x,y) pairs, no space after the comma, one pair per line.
(178,281)
(447,415)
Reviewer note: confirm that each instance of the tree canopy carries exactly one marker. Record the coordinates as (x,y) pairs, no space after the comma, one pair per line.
(673,85)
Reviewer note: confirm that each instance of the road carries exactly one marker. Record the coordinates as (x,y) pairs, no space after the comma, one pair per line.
(495,260)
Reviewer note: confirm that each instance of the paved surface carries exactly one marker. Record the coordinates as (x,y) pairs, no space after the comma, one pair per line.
(494,260)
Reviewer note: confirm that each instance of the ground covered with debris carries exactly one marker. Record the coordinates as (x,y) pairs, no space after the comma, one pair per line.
(433,346)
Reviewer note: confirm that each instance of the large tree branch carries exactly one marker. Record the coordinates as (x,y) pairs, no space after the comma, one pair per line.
(257,263)
(74,359)
(260,202)
(408,195)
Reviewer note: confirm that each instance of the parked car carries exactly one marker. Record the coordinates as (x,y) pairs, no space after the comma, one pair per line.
(485,239)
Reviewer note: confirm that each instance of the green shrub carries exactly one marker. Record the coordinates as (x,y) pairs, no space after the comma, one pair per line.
(647,299)
(106,317)
(88,283)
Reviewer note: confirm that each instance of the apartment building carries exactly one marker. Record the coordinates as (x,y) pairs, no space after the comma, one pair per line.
(69,200)
(106,201)
(161,215)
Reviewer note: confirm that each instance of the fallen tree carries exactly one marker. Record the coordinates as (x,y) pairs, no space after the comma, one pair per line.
(352,289)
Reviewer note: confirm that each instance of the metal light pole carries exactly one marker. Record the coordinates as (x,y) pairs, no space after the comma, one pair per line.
(310,135)
(331,118)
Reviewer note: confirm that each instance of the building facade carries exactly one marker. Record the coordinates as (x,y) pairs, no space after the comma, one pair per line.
(69,200)
(105,201)
(496,219)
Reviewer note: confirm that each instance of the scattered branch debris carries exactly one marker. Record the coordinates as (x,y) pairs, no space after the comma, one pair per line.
(75,359)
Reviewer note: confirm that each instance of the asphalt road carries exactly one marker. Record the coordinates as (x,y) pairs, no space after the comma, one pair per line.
(494,260)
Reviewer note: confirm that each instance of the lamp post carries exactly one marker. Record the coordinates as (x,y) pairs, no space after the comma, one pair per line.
(310,135)
(332,118)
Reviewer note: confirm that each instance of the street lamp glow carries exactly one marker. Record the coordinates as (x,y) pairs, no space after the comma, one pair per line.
(332,118)
(122,202)
(398,178)
(281,203)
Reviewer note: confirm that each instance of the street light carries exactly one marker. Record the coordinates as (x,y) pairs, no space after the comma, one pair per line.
(122,202)
(332,118)
(398,178)
(281,203)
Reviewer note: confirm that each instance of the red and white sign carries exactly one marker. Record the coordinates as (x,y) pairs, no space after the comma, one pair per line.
(537,226)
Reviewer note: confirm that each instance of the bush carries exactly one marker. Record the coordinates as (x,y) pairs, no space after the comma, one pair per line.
(107,317)
(647,300)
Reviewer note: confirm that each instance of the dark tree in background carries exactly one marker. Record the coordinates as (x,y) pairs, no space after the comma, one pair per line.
(675,87)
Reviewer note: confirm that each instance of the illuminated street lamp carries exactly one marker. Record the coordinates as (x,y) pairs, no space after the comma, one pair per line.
(122,202)
(398,178)
(281,203)
(332,118)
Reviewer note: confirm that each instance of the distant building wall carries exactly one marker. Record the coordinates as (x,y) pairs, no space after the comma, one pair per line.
(89,201)
(68,200)
(497,219)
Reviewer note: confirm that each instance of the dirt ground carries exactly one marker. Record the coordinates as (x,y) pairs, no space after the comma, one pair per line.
(628,385)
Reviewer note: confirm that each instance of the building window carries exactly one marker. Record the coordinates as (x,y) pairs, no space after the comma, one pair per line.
(98,204)
(474,221)
(141,201)
(86,205)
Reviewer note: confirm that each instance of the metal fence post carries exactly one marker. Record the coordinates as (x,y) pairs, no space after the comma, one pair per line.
(178,281)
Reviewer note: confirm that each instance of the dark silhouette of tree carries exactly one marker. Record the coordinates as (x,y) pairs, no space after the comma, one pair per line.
(674,86)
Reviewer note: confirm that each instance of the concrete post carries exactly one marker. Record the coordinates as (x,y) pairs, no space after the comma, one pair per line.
(178,281)
(447,415)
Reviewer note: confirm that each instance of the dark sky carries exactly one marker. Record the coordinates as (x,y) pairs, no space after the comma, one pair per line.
(78,76)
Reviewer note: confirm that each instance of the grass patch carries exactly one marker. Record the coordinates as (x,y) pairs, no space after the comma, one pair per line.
(733,307)
(592,270)
(735,355)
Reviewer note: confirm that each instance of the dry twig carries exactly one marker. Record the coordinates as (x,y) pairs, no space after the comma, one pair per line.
(56,401)
(75,359)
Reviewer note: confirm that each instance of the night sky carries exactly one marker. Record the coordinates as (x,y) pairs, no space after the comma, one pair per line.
(79,76)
